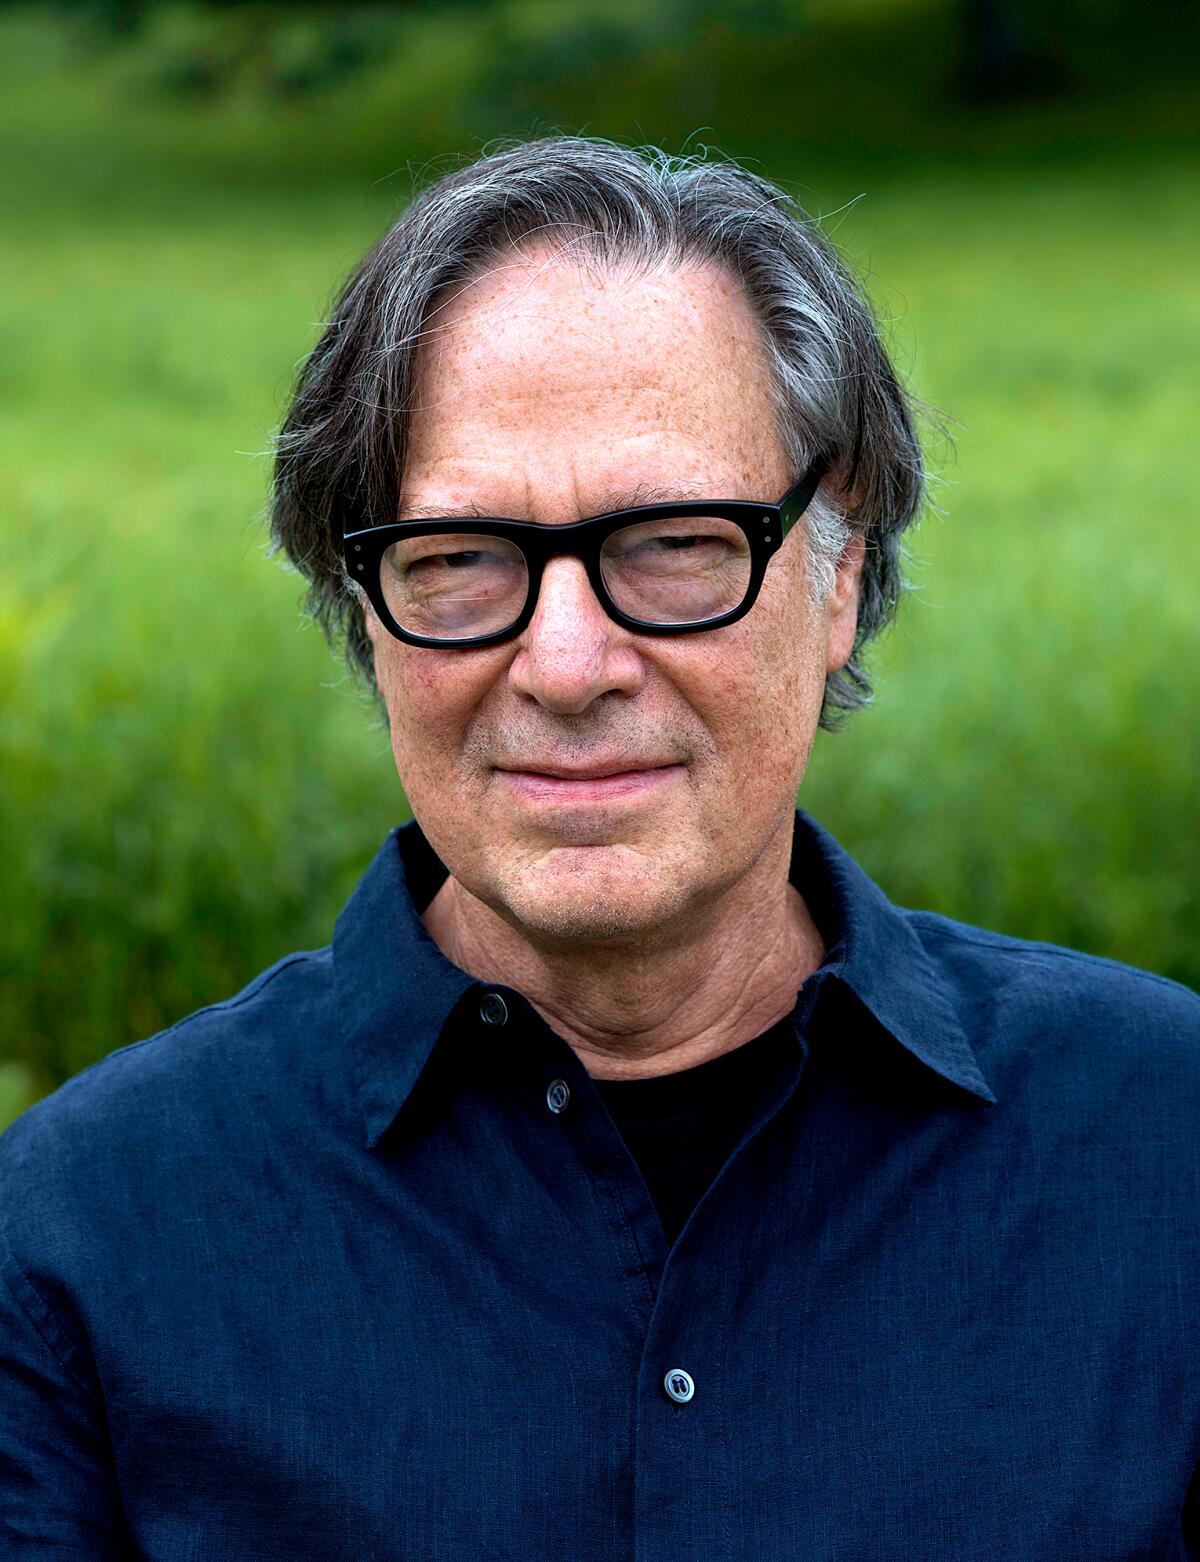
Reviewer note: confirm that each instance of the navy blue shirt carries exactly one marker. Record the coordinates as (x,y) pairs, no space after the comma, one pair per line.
(357,1266)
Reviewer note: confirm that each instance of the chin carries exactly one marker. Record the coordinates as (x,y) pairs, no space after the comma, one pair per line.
(592,894)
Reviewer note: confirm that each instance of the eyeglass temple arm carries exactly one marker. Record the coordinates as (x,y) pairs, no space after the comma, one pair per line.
(794,503)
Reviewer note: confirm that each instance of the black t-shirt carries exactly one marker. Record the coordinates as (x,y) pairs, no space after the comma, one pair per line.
(680,1128)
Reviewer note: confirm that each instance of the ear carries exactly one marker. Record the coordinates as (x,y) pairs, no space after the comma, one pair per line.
(841,605)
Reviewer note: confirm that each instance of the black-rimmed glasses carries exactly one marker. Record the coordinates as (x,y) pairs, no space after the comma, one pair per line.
(662,569)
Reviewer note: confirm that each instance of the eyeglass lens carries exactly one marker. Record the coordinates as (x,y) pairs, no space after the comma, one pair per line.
(676,570)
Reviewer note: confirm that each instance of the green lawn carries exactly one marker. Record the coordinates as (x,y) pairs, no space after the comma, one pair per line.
(189,787)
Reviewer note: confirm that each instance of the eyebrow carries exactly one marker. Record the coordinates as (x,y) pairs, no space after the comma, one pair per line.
(618,499)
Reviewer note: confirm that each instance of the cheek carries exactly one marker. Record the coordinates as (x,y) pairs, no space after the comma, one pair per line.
(431,697)
(765,693)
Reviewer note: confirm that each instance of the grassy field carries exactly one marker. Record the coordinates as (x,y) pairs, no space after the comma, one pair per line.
(189,786)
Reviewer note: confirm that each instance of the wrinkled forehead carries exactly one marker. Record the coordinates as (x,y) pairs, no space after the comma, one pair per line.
(540,295)
(550,357)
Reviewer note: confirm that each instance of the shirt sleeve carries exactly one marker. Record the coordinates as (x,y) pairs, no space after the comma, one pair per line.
(58,1491)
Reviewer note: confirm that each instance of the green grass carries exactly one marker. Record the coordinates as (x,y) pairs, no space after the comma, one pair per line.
(189,787)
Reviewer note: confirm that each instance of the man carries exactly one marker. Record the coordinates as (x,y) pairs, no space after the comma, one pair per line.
(630,1178)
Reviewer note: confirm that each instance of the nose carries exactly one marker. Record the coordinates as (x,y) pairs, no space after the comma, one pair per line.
(572,652)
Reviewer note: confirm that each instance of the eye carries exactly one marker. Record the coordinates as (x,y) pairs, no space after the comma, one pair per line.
(671,544)
(678,569)
(692,542)
(460,558)
(454,585)
(426,558)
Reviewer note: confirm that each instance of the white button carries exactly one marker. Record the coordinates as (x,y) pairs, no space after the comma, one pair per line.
(557,1096)
(679,1385)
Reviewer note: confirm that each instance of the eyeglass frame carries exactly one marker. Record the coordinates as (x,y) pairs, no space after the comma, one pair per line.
(765,527)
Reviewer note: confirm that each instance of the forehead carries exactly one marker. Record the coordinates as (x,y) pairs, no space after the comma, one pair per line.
(544,361)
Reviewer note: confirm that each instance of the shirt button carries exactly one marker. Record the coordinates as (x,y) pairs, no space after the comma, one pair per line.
(679,1385)
(493,1010)
(558,1095)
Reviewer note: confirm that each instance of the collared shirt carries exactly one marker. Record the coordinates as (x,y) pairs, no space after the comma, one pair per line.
(356,1266)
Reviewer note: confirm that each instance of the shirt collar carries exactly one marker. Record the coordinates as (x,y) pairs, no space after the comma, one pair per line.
(394,988)
(396,992)
(872,949)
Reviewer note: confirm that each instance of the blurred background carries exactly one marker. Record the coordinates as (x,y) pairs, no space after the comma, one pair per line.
(189,785)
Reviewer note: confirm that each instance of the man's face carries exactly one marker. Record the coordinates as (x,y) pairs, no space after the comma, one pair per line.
(586,782)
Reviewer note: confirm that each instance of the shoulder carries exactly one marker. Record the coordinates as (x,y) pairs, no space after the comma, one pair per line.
(238,1034)
(183,1096)
(1040,1002)
(1051,972)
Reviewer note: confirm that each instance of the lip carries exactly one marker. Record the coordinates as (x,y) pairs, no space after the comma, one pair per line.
(602,784)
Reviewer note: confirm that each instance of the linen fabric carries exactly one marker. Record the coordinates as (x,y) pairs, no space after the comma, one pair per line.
(321,1273)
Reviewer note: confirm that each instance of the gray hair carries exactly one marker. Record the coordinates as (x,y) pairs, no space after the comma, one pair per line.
(340,454)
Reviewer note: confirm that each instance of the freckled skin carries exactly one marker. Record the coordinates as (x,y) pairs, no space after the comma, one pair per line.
(550,392)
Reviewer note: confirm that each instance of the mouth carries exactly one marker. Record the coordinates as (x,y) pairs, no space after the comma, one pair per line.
(616,782)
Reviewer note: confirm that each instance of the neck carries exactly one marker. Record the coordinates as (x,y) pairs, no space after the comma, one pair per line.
(656,1006)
